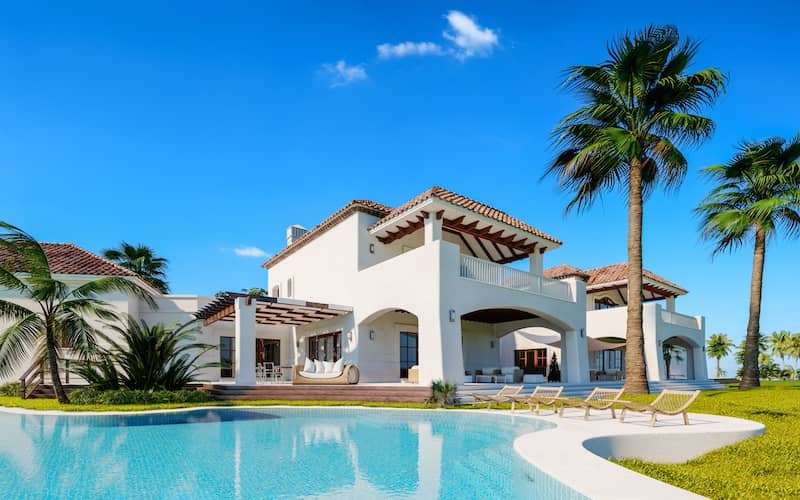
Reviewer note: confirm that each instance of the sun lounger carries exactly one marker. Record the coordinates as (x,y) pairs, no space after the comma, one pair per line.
(599,399)
(541,396)
(502,396)
(667,403)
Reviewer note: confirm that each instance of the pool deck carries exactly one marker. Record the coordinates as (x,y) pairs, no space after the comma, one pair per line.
(575,451)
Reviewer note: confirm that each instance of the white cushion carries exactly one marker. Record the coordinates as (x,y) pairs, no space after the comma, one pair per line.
(318,368)
(309,366)
(319,375)
(328,365)
(338,367)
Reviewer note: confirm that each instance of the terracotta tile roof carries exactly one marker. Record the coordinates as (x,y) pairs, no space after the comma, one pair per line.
(605,275)
(367,206)
(565,271)
(66,258)
(469,204)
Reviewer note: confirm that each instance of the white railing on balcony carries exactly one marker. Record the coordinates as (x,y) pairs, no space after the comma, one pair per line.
(678,319)
(507,277)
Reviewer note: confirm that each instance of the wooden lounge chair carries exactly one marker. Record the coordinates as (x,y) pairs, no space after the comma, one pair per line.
(667,403)
(541,396)
(598,399)
(502,396)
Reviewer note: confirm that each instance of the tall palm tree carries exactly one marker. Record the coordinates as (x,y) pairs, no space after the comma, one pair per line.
(59,317)
(778,343)
(719,346)
(794,352)
(757,197)
(640,107)
(141,260)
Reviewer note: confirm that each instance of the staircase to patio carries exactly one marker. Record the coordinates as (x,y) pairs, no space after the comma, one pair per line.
(369,392)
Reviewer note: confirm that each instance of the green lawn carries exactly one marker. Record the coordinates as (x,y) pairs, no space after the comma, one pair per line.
(764,467)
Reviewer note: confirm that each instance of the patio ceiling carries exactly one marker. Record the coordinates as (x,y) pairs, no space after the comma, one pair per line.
(478,235)
(271,310)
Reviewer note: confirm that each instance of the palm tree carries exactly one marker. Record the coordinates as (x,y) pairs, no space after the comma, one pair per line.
(757,196)
(60,315)
(793,351)
(141,260)
(719,346)
(640,106)
(778,343)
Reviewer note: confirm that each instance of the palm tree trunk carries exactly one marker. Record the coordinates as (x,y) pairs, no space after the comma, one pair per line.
(750,375)
(718,375)
(635,375)
(52,360)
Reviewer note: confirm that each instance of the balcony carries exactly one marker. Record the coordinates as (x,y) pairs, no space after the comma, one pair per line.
(495,274)
(678,319)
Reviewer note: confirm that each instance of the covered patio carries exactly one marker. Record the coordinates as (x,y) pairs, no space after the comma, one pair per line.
(246,312)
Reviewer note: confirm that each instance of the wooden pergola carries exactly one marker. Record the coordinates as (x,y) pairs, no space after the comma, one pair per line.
(270,310)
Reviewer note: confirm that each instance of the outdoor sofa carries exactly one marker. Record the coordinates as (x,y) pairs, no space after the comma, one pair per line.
(324,373)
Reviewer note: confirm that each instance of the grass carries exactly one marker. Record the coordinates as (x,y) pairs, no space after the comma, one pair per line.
(764,467)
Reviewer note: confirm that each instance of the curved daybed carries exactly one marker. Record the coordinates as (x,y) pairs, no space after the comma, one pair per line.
(348,375)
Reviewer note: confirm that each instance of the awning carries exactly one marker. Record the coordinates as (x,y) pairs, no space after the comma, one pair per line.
(271,310)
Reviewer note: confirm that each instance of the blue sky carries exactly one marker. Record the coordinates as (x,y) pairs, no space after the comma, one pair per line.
(199,129)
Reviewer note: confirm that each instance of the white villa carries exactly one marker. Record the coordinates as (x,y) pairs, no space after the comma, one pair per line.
(422,292)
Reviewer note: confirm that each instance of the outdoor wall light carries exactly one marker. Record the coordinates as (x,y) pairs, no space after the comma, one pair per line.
(583,333)
(452,315)
(491,344)
(350,336)
(372,334)
(372,248)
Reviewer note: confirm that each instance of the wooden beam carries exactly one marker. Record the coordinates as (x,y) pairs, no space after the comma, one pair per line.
(464,240)
(622,297)
(231,309)
(488,255)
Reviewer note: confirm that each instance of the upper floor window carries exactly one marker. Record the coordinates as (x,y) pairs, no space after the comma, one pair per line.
(276,291)
(290,287)
(603,303)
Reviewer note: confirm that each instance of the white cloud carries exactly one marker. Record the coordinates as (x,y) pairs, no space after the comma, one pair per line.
(249,252)
(341,74)
(469,38)
(406,49)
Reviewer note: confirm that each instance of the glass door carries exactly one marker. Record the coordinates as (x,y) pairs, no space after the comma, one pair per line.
(409,352)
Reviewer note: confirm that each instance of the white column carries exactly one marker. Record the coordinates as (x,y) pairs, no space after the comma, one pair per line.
(536,263)
(245,341)
(433,228)
(671,304)
(574,357)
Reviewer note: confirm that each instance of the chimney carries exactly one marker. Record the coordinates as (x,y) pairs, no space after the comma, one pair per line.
(293,233)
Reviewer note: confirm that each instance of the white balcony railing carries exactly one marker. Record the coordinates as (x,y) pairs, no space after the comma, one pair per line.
(678,319)
(507,277)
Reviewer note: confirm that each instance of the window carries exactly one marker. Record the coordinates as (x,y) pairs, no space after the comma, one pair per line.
(603,303)
(610,359)
(268,351)
(276,291)
(532,361)
(409,352)
(290,287)
(226,357)
(327,347)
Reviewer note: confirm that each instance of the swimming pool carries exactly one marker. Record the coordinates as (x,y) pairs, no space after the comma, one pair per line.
(269,453)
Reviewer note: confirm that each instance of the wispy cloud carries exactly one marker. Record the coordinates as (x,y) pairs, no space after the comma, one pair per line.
(465,38)
(342,75)
(469,38)
(253,252)
(406,49)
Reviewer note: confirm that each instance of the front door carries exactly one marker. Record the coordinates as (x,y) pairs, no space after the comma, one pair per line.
(532,361)
(409,352)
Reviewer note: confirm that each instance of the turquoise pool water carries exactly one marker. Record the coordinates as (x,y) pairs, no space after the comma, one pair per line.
(270,453)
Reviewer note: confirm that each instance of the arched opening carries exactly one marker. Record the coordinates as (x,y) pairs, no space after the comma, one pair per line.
(388,346)
(508,345)
(678,356)
(606,358)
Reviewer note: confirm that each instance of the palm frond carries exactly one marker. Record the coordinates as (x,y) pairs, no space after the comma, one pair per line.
(17,341)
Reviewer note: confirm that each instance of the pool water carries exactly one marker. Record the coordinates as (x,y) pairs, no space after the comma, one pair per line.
(271,453)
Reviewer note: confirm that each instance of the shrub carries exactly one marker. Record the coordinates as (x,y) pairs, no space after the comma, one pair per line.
(443,393)
(147,358)
(11,389)
(137,397)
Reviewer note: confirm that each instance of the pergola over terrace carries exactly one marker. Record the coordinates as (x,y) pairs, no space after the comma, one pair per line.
(246,311)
